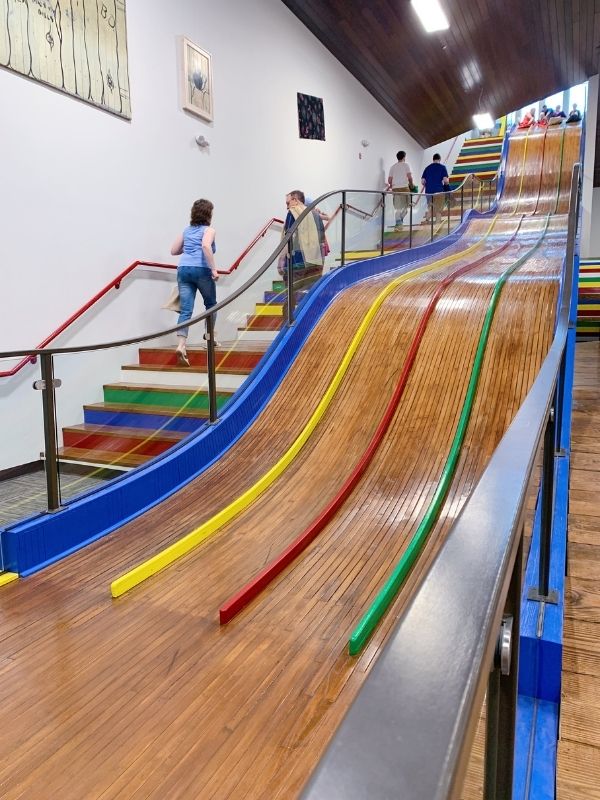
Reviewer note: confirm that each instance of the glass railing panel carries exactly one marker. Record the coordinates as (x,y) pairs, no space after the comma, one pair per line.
(23,479)
(365,228)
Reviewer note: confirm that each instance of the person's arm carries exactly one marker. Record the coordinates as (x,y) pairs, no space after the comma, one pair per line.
(410,178)
(445,178)
(177,246)
(389,181)
(207,242)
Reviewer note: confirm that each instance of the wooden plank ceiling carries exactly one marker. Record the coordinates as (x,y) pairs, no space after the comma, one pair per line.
(497,55)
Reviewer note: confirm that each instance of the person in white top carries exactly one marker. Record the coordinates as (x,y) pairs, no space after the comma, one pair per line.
(400,181)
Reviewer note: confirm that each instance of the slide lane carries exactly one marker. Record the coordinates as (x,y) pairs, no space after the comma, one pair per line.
(149,697)
(210,527)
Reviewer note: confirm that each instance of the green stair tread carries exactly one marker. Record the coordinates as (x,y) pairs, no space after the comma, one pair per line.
(137,408)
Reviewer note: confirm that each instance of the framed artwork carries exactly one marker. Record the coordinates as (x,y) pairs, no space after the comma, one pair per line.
(311,117)
(197,85)
(77,47)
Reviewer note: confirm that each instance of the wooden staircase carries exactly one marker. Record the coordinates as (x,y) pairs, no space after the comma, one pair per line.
(157,402)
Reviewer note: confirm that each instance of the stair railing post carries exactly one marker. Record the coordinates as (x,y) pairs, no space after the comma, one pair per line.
(410,224)
(47,385)
(343,244)
(472,192)
(462,202)
(289,300)
(448,198)
(382,222)
(542,592)
(212,368)
(502,695)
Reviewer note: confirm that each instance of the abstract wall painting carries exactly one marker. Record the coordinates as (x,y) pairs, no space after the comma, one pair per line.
(76,46)
(197,85)
(311,118)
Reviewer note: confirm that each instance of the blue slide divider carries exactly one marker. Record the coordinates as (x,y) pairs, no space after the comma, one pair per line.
(39,541)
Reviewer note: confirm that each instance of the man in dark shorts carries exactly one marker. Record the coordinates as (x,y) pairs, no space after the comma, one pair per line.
(433,180)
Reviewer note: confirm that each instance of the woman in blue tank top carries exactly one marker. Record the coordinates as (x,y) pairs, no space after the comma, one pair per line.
(197,270)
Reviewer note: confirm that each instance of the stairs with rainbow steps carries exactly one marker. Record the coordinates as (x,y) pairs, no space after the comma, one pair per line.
(157,402)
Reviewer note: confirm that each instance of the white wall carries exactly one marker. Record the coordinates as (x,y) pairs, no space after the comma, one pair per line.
(85,193)
(592,249)
(590,198)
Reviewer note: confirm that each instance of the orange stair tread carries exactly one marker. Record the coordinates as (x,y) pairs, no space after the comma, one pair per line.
(122,432)
(158,387)
(195,370)
(105,457)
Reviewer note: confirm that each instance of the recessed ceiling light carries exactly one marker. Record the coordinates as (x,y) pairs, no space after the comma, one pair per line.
(431,15)
(483,121)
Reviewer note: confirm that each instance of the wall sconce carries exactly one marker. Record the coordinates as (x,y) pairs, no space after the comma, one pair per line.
(201,141)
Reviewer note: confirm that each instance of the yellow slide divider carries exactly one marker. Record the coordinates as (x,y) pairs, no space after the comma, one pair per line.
(191,540)
(8,577)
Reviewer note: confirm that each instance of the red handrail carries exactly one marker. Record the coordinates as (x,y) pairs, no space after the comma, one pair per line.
(115,283)
(258,236)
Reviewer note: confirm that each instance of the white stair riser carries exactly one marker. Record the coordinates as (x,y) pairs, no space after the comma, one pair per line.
(257,336)
(180,378)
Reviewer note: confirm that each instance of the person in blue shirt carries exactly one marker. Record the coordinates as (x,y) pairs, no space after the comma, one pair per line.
(197,270)
(434,179)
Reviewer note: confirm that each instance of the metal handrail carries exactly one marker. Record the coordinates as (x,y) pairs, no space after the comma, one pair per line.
(116,283)
(409,732)
(280,249)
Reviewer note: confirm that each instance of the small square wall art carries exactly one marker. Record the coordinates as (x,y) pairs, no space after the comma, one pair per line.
(311,118)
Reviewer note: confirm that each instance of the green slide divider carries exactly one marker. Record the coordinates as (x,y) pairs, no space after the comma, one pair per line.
(388,592)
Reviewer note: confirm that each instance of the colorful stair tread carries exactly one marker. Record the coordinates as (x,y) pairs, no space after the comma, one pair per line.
(480,157)
(588,298)
(139,420)
(136,415)
(139,441)
(173,397)
(82,455)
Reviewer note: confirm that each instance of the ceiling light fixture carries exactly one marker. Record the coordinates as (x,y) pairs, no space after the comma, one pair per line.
(431,15)
(483,121)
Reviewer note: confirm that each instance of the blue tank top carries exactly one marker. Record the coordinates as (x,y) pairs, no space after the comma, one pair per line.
(192,255)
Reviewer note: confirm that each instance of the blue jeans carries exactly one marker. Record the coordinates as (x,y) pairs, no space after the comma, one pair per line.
(190,279)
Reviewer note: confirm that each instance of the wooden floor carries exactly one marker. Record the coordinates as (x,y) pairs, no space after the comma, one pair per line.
(579,746)
(147,697)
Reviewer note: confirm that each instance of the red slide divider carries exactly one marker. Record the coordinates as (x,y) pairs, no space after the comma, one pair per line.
(248,592)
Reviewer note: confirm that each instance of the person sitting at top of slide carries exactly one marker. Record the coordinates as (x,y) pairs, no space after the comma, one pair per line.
(574,114)
(557,116)
(528,119)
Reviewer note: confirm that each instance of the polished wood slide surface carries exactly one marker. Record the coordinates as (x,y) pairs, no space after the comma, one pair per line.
(147,696)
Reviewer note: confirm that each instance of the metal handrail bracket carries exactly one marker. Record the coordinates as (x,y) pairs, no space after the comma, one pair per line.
(409,732)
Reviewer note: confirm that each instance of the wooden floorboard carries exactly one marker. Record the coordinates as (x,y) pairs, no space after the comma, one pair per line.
(147,697)
(578,775)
